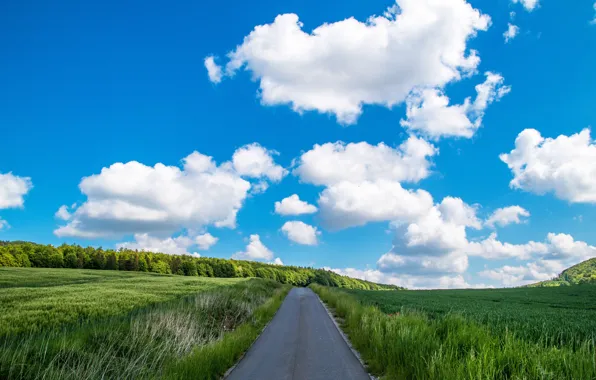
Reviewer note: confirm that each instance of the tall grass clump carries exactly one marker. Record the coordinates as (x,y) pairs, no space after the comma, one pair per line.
(143,343)
(412,345)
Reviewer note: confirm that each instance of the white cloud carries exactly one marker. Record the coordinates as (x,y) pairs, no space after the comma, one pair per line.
(330,164)
(429,113)
(453,262)
(565,247)
(524,274)
(511,32)
(530,5)
(433,241)
(507,215)
(455,210)
(407,281)
(173,246)
(292,205)
(560,251)
(4,225)
(13,190)
(63,213)
(254,161)
(493,249)
(555,247)
(341,66)
(205,241)
(301,233)
(255,250)
(350,204)
(565,166)
(277,261)
(593,22)
(213,69)
(132,198)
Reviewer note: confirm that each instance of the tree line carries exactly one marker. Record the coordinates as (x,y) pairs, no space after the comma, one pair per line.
(26,254)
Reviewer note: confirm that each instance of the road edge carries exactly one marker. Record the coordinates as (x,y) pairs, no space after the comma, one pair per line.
(225,375)
(345,337)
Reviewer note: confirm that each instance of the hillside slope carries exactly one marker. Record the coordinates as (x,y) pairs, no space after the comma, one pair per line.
(582,273)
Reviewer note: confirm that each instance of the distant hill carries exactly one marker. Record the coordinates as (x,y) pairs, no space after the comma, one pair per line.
(582,273)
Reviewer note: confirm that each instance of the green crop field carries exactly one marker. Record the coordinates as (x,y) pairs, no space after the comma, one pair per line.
(33,299)
(524,333)
(563,316)
(89,324)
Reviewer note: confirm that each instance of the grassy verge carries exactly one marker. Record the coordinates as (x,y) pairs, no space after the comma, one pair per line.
(411,345)
(212,361)
(146,342)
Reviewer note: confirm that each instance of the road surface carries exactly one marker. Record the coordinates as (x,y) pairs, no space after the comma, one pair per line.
(301,342)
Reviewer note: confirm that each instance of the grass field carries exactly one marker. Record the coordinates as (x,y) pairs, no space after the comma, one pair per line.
(33,299)
(530,333)
(77,324)
(563,316)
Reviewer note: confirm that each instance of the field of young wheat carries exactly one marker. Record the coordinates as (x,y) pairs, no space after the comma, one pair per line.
(71,324)
(525,333)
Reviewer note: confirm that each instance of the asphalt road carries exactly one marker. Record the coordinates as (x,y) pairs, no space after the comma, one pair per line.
(301,342)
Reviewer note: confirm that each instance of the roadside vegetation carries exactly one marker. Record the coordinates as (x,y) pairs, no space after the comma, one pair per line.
(25,255)
(527,333)
(93,325)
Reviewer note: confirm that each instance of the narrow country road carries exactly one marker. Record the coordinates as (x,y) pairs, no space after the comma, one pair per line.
(300,343)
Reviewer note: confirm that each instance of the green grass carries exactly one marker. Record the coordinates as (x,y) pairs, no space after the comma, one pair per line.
(34,299)
(451,335)
(125,325)
(564,316)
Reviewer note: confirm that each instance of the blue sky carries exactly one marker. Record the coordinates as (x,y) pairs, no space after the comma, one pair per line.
(85,86)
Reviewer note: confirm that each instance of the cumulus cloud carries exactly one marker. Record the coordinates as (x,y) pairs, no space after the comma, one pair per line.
(301,233)
(433,241)
(352,204)
(507,215)
(171,245)
(408,281)
(133,198)
(213,69)
(332,163)
(524,274)
(292,205)
(493,249)
(277,261)
(530,5)
(341,66)
(4,224)
(63,213)
(13,190)
(255,251)
(455,210)
(205,241)
(558,252)
(453,262)
(429,113)
(565,166)
(254,161)
(511,32)
(565,247)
